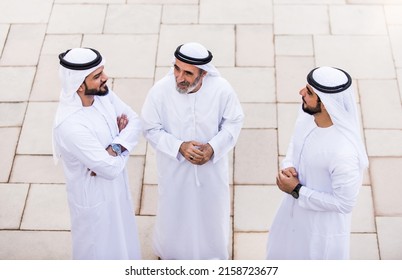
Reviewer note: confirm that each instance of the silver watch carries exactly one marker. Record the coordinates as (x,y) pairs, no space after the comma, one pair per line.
(116,148)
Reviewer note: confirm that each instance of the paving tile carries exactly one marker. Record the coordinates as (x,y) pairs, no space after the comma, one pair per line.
(36,169)
(363,213)
(133,91)
(90,1)
(161,72)
(16,83)
(250,245)
(12,114)
(364,246)
(385,185)
(291,73)
(149,201)
(287,115)
(46,208)
(287,19)
(395,35)
(8,143)
(117,50)
(12,202)
(140,19)
(150,172)
(367,2)
(350,53)
(55,44)
(361,20)
(294,45)
(15,52)
(255,207)
(228,11)
(35,245)
(145,230)
(22,11)
(213,37)
(254,45)
(76,19)
(180,14)
(389,237)
(46,86)
(163,1)
(135,169)
(389,104)
(399,73)
(259,115)
(3,35)
(37,139)
(393,14)
(251,84)
(375,142)
(256,163)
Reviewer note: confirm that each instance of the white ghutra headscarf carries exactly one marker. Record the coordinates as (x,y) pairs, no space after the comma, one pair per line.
(75,65)
(333,86)
(197,55)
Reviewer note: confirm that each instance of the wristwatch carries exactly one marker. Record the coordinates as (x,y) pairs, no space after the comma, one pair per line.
(116,148)
(295,192)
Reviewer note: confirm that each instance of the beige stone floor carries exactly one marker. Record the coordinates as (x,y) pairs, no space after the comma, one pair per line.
(263,47)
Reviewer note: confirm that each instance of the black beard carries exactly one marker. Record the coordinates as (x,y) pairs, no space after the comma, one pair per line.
(312,111)
(97,92)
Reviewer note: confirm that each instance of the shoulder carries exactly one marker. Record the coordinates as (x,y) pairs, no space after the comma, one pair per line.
(219,84)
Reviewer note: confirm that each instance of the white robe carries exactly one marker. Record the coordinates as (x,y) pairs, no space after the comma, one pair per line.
(194,203)
(317,224)
(102,217)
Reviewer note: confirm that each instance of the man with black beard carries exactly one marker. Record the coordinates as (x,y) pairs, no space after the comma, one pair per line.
(321,174)
(93,133)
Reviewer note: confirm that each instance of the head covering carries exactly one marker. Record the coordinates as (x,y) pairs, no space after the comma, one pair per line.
(197,55)
(75,65)
(333,86)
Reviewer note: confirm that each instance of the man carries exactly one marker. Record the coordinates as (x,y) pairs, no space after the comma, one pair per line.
(93,133)
(321,174)
(192,118)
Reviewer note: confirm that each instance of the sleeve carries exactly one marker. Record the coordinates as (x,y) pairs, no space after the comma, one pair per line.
(129,136)
(346,180)
(86,148)
(230,127)
(154,132)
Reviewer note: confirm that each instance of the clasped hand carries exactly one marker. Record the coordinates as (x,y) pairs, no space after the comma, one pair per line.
(196,152)
(287,179)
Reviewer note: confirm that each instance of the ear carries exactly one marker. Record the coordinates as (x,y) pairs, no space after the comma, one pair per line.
(81,88)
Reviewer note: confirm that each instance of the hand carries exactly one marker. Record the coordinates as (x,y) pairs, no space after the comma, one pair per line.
(208,153)
(287,179)
(122,122)
(191,151)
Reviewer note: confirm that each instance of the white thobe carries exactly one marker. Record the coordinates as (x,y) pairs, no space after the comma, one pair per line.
(317,224)
(194,203)
(102,217)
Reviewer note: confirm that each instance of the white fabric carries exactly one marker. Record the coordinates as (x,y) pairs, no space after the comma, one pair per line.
(317,224)
(194,203)
(197,50)
(330,163)
(102,217)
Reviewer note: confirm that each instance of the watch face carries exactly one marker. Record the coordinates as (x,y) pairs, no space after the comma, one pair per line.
(295,194)
(116,148)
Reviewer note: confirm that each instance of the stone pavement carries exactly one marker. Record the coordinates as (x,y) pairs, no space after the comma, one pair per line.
(264,48)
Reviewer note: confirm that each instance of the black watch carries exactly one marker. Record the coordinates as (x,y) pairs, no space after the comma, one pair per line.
(295,192)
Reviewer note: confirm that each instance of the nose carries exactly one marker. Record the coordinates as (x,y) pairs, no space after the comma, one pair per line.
(180,77)
(302,92)
(104,77)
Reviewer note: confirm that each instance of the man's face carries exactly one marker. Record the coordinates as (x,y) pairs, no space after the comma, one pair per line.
(311,102)
(188,77)
(95,83)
